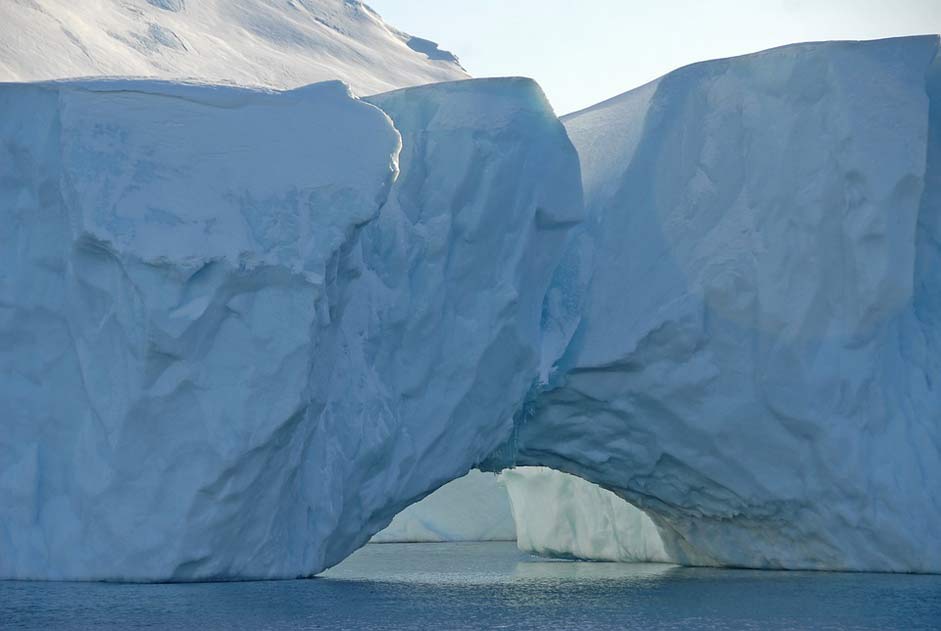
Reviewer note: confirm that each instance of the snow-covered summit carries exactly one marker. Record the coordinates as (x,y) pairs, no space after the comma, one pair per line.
(273,43)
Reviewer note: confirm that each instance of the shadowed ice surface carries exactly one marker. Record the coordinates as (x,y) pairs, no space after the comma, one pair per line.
(488,585)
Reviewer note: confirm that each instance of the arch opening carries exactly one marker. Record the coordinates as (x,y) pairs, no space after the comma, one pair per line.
(547,513)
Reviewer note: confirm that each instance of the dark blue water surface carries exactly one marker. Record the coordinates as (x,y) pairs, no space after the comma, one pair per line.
(488,586)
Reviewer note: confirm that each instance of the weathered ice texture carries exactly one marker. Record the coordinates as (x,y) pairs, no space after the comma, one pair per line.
(436,325)
(167,253)
(219,357)
(472,508)
(241,330)
(758,356)
(561,515)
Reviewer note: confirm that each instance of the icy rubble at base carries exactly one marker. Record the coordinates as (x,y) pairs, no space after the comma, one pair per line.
(560,515)
(472,508)
(241,330)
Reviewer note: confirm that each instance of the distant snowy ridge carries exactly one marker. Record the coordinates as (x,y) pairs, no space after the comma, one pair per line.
(271,43)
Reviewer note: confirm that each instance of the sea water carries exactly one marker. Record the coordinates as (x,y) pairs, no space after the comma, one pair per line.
(488,586)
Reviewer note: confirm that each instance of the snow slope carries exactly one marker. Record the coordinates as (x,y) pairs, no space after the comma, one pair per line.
(757,357)
(560,515)
(472,508)
(272,43)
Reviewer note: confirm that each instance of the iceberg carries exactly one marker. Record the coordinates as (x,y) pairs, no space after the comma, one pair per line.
(436,328)
(240,330)
(167,253)
(756,358)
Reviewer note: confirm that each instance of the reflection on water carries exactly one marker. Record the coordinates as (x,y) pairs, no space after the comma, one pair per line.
(563,571)
(489,585)
(478,564)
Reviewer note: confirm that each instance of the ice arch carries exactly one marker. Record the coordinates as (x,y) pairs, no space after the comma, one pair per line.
(240,330)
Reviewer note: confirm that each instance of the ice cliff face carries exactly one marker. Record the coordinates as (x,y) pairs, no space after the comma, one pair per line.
(241,330)
(274,43)
(561,515)
(234,344)
(167,254)
(436,325)
(757,357)
(472,508)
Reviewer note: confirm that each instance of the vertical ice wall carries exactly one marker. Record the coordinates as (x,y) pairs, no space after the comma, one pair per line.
(231,346)
(437,325)
(560,515)
(165,256)
(757,358)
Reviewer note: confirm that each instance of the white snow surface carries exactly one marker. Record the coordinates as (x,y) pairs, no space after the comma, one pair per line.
(241,329)
(472,508)
(560,515)
(271,43)
(758,351)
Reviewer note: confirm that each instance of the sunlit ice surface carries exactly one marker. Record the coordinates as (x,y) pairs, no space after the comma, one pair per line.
(488,585)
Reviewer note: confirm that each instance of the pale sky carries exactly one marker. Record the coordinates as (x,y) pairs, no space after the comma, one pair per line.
(584,51)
